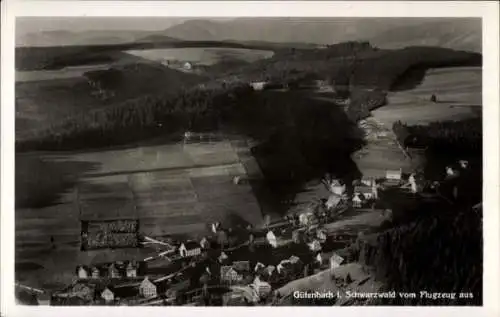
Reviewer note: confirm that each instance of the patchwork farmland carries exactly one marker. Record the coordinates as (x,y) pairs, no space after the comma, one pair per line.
(174,189)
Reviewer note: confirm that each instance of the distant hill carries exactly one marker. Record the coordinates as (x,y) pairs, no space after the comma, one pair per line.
(456,33)
(156,38)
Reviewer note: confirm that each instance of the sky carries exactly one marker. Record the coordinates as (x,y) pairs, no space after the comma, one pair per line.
(79,24)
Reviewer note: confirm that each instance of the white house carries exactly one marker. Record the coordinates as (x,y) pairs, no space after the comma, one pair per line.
(263,288)
(394,174)
(222,257)
(314,246)
(204,243)
(319,258)
(413,183)
(189,248)
(450,171)
(294,259)
(463,164)
(271,239)
(374,188)
(281,266)
(356,200)
(270,269)
(321,235)
(213,227)
(229,274)
(333,201)
(306,218)
(95,272)
(335,261)
(236,180)
(107,295)
(131,270)
(258,85)
(258,266)
(82,272)
(337,188)
(113,271)
(364,192)
(147,289)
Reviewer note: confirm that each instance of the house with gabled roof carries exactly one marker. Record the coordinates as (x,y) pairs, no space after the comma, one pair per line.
(262,288)
(333,201)
(314,245)
(82,272)
(113,271)
(229,275)
(147,288)
(357,202)
(204,243)
(258,267)
(319,258)
(131,270)
(272,239)
(463,164)
(95,272)
(270,268)
(321,234)
(189,248)
(108,295)
(335,261)
(222,257)
(294,259)
(187,66)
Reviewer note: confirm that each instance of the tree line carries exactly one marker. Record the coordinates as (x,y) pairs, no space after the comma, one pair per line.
(463,136)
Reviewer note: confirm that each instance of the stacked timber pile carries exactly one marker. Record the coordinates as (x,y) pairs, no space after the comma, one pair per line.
(110,234)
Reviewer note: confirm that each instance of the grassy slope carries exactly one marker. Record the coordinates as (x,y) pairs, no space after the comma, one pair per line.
(38,58)
(41,104)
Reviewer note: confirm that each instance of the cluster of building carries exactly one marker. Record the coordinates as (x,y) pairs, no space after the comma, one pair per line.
(104,292)
(212,262)
(113,270)
(187,66)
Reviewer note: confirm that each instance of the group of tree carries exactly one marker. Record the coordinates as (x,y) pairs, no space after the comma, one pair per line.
(462,137)
(363,101)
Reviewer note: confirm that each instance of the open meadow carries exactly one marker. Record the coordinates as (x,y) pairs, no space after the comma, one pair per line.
(202,55)
(458,91)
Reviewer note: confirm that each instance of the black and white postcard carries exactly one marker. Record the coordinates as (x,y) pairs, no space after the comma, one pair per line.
(235,160)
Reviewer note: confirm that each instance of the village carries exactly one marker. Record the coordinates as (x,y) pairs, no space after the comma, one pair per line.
(243,265)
